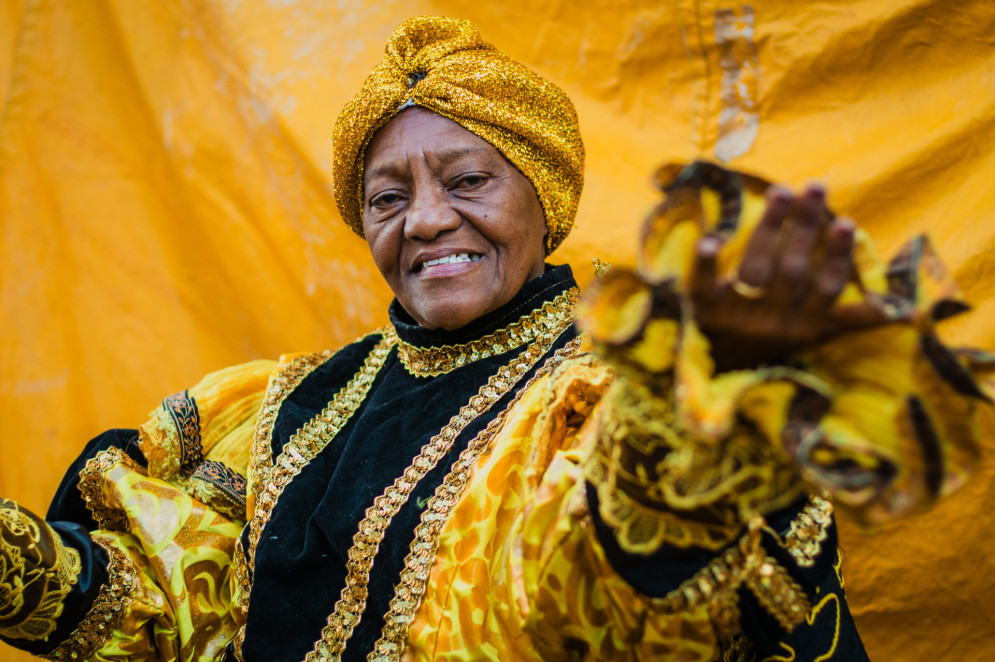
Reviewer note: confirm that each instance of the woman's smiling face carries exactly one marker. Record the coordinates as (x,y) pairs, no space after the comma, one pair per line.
(454,228)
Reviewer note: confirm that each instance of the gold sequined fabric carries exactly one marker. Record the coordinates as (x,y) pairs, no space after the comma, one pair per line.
(443,65)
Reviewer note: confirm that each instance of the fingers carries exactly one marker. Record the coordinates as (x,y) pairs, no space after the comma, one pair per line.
(704,273)
(756,267)
(798,240)
(837,262)
(854,317)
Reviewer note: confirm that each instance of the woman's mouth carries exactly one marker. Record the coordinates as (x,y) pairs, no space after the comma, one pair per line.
(454,258)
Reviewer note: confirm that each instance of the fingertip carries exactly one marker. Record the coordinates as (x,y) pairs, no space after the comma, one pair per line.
(816,189)
(844,230)
(778,194)
(708,247)
(845,224)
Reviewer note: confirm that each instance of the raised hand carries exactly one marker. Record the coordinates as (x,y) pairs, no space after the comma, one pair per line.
(796,264)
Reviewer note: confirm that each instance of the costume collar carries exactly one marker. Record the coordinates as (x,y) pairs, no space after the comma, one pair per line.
(543,305)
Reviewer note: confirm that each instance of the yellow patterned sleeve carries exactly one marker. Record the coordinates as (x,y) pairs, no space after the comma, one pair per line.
(200,440)
(167,595)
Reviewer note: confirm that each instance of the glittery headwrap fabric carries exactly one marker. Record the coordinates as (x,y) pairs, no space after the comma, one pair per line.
(443,65)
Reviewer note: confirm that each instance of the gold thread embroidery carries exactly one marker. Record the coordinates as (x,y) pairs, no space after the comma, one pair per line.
(37,572)
(737,649)
(304,445)
(659,483)
(411,589)
(91,486)
(107,610)
(435,361)
(366,542)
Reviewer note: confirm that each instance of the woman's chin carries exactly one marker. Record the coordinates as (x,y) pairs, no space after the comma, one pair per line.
(447,320)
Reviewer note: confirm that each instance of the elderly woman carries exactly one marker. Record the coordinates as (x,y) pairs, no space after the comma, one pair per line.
(479,480)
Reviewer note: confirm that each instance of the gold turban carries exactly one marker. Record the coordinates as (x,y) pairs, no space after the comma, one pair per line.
(442,65)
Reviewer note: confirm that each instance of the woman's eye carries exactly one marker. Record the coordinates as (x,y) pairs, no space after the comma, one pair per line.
(385,200)
(471,181)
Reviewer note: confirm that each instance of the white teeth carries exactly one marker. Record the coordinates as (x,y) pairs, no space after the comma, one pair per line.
(452,259)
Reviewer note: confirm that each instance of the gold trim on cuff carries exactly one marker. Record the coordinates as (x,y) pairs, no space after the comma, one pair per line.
(108,608)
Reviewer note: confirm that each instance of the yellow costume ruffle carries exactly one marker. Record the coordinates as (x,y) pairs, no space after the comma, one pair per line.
(880,419)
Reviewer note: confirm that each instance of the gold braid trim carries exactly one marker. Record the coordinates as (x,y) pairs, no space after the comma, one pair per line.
(808,531)
(107,610)
(366,542)
(92,480)
(410,591)
(435,361)
(300,449)
(37,572)
(281,385)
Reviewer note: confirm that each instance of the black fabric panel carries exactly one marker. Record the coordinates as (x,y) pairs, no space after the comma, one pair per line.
(92,576)
(68,504)
(300,561)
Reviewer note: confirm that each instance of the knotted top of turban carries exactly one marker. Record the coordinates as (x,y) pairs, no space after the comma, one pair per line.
(442,65)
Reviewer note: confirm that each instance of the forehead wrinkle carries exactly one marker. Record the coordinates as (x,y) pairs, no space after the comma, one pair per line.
(400,168)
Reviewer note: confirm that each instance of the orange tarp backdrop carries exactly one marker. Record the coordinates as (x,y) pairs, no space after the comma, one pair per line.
(165,201)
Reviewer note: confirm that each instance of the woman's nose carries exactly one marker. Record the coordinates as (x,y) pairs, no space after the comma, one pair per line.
(429,214)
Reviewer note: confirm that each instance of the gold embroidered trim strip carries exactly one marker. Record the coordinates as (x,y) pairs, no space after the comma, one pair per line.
(107,610)
(747,563)
(543,321)
(313,436)
(410,591)
(91,486)
(366,542)
(301,448)
(281,385)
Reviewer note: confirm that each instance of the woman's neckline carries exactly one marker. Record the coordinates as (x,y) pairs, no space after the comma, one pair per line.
(545,288)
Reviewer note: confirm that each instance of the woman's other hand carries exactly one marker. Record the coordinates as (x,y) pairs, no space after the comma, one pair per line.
(795,266)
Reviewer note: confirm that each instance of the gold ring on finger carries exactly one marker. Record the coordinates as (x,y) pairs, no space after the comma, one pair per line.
(747,291)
